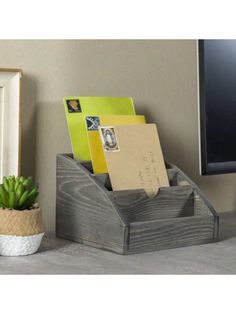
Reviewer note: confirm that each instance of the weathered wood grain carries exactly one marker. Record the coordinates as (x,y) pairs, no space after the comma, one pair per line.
(202,205)
(129,222)
(84,211)
(172,176)
(170,233)
(175,201)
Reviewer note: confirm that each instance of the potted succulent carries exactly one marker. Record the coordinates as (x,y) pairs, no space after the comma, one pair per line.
(21,225)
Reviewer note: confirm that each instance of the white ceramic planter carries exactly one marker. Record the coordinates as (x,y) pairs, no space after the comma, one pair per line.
(11,245)
(21,231)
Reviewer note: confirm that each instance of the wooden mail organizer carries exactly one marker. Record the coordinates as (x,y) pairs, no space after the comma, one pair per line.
(127,222)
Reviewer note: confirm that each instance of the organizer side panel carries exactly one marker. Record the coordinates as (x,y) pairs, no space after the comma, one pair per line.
(200,207)
(84,213)
(166,234)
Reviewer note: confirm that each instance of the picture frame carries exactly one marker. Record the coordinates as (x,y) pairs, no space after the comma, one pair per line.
(10,121)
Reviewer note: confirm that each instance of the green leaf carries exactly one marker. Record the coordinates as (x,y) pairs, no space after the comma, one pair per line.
(11,200)
(23,198)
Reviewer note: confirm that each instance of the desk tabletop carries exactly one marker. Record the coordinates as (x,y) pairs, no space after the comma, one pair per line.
(57,256)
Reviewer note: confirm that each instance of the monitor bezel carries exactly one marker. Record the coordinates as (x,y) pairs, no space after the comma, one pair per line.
(205,167)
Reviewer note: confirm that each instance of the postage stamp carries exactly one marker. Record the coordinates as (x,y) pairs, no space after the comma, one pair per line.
(73,105)
(109,139)
(92,123)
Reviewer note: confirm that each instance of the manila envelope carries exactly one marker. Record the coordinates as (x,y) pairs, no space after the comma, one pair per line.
(95,144)
(76,108)
(134,157)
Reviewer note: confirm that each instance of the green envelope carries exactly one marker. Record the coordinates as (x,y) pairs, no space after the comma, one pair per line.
(77,108)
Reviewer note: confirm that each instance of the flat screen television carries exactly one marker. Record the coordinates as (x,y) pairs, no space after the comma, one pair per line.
(217,106)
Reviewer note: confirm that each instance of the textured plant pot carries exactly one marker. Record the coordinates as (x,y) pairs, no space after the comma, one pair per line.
(18,245)
(21,231)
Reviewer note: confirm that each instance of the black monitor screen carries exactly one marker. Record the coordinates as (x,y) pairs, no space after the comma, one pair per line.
(217,76)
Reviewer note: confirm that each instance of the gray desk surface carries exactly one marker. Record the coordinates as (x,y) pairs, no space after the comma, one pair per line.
(58,256)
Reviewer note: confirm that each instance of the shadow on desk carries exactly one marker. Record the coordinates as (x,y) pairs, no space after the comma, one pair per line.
(50,243)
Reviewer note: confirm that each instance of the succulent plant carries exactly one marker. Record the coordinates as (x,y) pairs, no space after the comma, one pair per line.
(18,193)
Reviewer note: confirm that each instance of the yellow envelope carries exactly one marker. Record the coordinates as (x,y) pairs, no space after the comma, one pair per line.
(134,157)
(76,108)
(95,145)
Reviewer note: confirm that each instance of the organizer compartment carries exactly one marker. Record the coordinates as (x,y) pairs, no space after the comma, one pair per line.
(170,233)
(126,222)
(172,202)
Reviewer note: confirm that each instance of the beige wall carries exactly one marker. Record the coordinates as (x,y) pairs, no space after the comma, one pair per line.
(161,76)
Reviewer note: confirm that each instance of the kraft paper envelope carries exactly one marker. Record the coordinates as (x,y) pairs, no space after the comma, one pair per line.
(134,157)
(95,144)
(77,108)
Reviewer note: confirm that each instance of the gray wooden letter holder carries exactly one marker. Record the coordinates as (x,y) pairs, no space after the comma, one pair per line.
(126,222)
